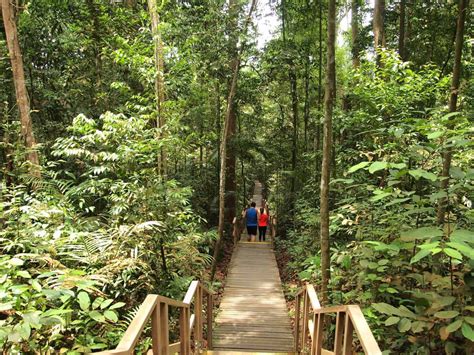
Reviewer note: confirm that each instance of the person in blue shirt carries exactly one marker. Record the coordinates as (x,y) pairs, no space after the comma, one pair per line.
(251,216)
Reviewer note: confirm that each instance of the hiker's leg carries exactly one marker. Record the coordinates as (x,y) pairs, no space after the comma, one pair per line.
(264,231)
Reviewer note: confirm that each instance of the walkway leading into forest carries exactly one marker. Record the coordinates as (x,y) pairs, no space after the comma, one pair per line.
(253,315)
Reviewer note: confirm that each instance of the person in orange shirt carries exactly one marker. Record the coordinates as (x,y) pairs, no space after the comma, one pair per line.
(262,224)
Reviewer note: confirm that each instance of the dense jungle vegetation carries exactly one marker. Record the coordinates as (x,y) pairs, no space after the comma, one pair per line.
(131,132)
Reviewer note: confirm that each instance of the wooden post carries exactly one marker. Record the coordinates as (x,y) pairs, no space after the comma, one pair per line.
(297,323)
(155,329)
(164,331)
(317,343)
(185,346)
(198,318)
(210,308)
(304,333)
(348,333)
(339,333)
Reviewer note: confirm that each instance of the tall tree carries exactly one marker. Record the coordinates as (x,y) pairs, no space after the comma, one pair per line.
(159,78)
(378,24)
(329,97)
(402,31)
(225,138)
(230,181)
(453,101)
(355,33)
(11,33)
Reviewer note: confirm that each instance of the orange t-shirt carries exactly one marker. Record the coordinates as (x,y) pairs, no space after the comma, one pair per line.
(262,222)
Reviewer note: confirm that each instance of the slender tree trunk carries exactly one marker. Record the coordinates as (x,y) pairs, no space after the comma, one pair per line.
(306,101)
(378,25)
(16,59)
(325,166)
(317,143)
(294,107)
(223,147)
(453,100)
(355,33)
(96,37)
(159,80)
(401,37)
(230,182)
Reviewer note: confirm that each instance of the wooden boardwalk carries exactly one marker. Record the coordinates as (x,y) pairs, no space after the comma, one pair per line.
(253,315)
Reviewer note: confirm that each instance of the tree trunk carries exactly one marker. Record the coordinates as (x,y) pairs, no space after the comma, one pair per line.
(230,182)
(327,135)
(378,25)
(355,33)
(401,38)
(294,107)
(223,147)
(453,100)
(16,59)
(306,101)
(96,39)
(159,80)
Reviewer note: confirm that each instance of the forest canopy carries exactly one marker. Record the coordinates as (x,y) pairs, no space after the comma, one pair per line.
(132,132)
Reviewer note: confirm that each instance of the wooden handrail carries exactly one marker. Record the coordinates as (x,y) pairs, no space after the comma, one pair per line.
(155,309)
(309,325)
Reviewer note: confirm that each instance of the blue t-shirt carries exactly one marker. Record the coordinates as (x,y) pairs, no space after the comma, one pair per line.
(251,217)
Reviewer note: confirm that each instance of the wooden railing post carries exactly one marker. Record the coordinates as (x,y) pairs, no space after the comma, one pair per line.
(297,322)
(348,333)
(184,335)
(304,333)
(338,339)
(210,307)
(198,318)
(155,329)
(164,330)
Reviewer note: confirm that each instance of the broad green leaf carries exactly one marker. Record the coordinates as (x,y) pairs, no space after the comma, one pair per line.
(111,315)
(24,274)
(420,255)
(378,165)
(391,321)
(429,176)
(470,320)
(380,196)
(6,306)
(467,331)
(428,246)
(463,248)
(358,166)
(106,303)
(16,262)
(36,285)
(84,300)
(404,325)
(417,327)
(462,235)
(454,326)
(398,165)
(421,233)
(446,314)
(405,312)
(386,308)
(435,135)
(453,253)
(117,305)
(415,173)
(97,316)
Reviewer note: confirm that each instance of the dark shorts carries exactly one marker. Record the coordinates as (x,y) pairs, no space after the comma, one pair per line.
(252,230)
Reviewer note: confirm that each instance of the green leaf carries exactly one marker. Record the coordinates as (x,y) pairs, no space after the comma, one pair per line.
(467,331)
(463,248)
(454,326)
(97,316)
(378,165)
(111,315)
(117,305)
(421,233)
(84,300)
(380,195)
(429,176)
(462,235)
(398,165)
(6,306)
(420,255)
(16,262)
(391,321)
(106,303)
(386,308)
(24,274)
(404,325)
(435,135)
(358,166)
(453,253)
(470,320)
(446,314)
(417,326)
